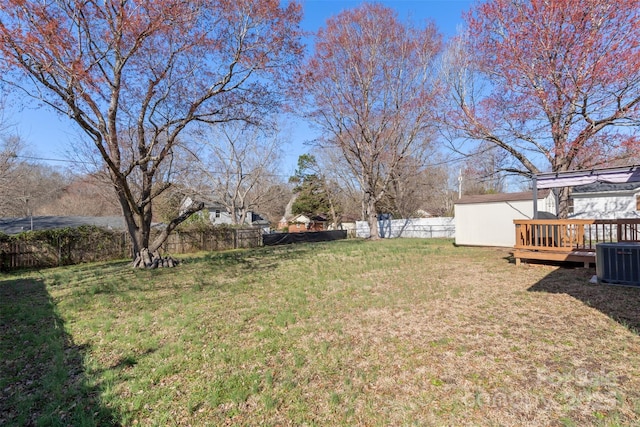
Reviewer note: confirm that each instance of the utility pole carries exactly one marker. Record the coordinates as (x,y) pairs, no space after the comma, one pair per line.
(29,213)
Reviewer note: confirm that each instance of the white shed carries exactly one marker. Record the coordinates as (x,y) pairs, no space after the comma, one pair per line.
(602,200)
(487,219)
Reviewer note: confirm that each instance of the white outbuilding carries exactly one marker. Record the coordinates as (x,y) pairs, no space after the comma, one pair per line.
(487,219)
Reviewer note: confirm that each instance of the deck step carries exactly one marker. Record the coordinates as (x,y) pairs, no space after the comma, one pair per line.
(585,257)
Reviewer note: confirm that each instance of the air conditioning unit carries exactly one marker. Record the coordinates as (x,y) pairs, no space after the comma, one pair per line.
(618,263)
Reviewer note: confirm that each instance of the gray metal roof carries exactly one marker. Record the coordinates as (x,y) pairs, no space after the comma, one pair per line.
(18,225)
(603,187)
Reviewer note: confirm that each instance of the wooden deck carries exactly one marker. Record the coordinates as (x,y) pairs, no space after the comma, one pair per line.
(572,240)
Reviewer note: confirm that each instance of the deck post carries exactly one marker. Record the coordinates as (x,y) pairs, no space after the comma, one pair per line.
(534,182)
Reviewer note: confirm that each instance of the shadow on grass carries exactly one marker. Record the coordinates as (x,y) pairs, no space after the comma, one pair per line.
(42,378)
(621,303)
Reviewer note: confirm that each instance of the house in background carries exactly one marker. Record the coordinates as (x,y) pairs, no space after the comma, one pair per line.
(487,219)
(302,223)
(219,215)
(602,200)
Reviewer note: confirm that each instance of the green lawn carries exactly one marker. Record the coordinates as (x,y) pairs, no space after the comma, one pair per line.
(395,332)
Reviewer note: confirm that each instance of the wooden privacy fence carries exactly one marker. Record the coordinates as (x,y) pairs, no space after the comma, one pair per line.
(217,239)
(70,246)
(49,249)
(570,239)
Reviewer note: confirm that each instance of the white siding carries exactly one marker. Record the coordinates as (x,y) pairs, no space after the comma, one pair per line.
(604,206)
(221,216)
(491,224)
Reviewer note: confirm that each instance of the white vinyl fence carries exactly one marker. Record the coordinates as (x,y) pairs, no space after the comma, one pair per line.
(423,228)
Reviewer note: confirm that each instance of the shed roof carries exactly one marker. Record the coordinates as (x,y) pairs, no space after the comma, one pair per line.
(501,197)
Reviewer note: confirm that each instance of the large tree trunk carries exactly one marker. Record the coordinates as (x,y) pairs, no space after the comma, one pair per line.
(372,216)
(334,215)
(146,253)
(563,202)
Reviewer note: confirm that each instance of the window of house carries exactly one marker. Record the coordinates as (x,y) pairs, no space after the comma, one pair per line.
(638,202)
(217,213)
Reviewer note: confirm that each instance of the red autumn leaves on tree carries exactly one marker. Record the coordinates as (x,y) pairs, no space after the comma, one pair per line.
(133,75)
(554,80)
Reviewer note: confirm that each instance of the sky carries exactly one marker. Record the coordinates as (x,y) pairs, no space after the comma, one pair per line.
(49,136)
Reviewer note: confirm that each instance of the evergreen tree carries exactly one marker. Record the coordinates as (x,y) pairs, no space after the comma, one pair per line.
(313,192)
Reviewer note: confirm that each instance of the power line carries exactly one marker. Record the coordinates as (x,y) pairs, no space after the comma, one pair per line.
(54,160)
(48,159)
(92,163)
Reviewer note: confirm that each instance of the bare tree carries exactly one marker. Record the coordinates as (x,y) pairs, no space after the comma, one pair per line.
(271,200)
(26,188)
(483,170)
(369,86)
(418,189)
(84,195)
(343,184)
(10,173)
(406,190)
(234,163)
(438,195)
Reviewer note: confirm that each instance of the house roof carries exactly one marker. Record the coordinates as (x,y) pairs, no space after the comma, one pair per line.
(605,187)
(214,206)
(301,218)
(18,225)
(501,197)
(257,219)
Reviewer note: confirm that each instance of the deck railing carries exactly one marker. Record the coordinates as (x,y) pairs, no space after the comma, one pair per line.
(568,235)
